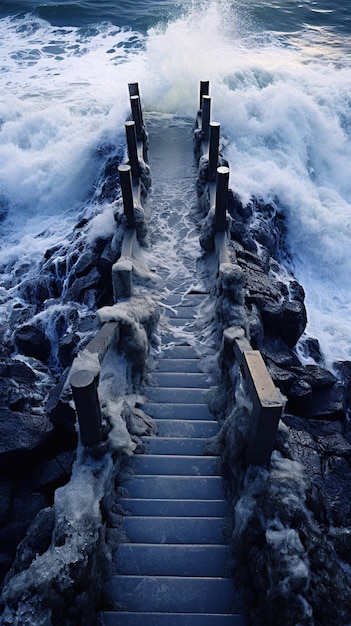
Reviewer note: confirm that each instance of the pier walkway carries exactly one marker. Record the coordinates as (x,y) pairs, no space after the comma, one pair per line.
(173,566)
(174,570)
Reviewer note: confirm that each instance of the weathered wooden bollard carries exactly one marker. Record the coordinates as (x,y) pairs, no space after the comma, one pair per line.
(122,276)
(213,150)
(204,90)
(206,115)
(131,135)
(125,178)
(137,116)
(134,91)
(267,409)
(221,199)
(84,389)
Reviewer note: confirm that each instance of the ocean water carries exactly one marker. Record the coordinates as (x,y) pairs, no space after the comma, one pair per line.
(281,88)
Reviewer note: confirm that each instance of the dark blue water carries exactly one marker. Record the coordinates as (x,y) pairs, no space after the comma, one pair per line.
(140,14)
(286,16)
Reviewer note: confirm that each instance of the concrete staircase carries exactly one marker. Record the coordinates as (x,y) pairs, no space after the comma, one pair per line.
(173,571)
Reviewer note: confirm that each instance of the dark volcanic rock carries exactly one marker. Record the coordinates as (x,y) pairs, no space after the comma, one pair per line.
(286,320)
(21,435)
(36,541)
(11,368)
(6,493)
(80,285)
(32,341)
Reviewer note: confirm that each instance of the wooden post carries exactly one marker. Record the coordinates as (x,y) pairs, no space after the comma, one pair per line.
(132,148)
(206,115)
(137,116)
(84,389)
(215,128)
(125,178)
(122,274)
(133,89)
(267,408)
(221,199)
(204,90)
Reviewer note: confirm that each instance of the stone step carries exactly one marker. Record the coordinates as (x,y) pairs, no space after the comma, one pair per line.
(176,395)
(174,507)
(178,365)
(179,337)
(180,312)
(170,619)
(179,465)
(171,560)
(186,428)
(177,352)
(180,411)
(175,445)
(180,284)
(177,487)
(178,299)
(171,594)
(176,530)
(186,323)
(181,380)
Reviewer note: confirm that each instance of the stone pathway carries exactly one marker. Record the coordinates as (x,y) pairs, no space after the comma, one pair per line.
(173,570)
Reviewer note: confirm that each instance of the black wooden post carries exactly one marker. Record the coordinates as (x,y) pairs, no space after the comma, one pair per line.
(133,89)
(206,115)
(221,199)
(84,389)
(215,128)
(204,90)
(136,115)
(125,178)
(132,148)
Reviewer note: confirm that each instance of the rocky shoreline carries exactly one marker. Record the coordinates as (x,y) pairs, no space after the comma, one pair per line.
(51,316)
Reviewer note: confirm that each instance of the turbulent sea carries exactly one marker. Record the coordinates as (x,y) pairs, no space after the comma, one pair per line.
(280,80)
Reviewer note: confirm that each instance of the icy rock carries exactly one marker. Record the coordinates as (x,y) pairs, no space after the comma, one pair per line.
(240,233)
(32,341)
(37,292)
(12,368)
(6,493)
(79,286)
(36,541)
(259,287)
(286,320)
(207,234)
(85,263)
(21,436)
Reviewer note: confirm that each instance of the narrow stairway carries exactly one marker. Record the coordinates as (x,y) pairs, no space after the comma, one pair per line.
(174,570)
